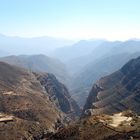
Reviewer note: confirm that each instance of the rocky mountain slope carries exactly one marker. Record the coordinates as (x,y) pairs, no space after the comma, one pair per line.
(116,92)
(111,94)
(59,94)
(39,63)
(26,108)
(104,59)
(98,128)
(23,97)
(83,82)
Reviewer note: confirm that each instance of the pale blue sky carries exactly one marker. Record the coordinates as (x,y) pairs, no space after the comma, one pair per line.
(73,19)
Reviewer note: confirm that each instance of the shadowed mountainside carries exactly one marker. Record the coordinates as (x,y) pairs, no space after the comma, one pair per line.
(116,92)
(82,83)
(105,59)
(59,94)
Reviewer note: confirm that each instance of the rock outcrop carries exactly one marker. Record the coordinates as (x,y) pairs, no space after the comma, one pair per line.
(59,94)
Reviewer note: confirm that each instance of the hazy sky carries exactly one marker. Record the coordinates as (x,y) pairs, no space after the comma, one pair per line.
(80,19)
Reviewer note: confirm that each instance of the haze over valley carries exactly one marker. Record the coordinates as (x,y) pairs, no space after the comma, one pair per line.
(69,70)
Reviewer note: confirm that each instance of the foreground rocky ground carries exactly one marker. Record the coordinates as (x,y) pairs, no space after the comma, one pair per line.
(102,127)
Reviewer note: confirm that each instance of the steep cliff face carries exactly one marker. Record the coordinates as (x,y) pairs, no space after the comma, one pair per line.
(116,92)
(24,101)
(92,72)
(58,94)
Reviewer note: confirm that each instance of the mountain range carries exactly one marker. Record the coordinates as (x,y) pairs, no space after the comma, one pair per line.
(92,94)
(14,45)
(105,59)
(39,63)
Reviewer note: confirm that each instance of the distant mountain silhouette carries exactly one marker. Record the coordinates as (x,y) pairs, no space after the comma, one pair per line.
(77,50)
(36,45)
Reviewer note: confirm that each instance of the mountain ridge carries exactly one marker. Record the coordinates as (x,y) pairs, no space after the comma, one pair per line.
(116,92)
(39,63)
